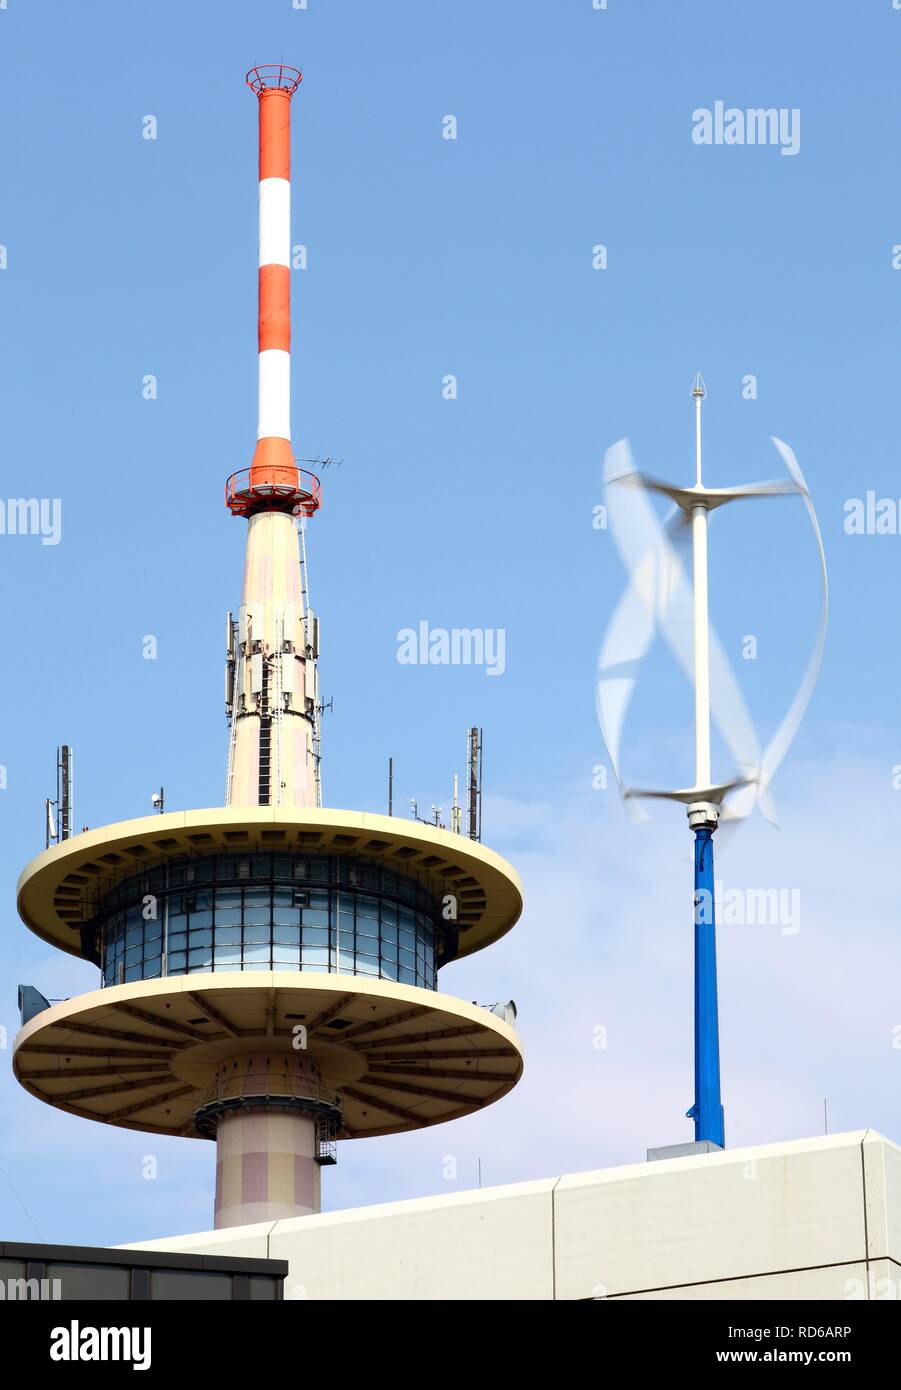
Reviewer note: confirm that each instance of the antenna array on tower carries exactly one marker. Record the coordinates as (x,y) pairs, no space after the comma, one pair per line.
(59,825)
(474,784)
(472,793)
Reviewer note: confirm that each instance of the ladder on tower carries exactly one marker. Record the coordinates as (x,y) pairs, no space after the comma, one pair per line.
(317,752)
(236,666)
(277,704)
(265,771)
(302,537)
(311,655)
(232,730)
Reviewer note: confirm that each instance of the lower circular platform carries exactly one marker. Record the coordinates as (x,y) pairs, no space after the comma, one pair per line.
(144,1055)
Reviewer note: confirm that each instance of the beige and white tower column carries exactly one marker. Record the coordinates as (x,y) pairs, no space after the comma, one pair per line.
(271,688)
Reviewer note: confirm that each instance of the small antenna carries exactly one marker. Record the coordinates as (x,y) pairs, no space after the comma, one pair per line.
(698,391)
(58,826)
(390,786)
(326,462)
(230,663)
(472,796)
(457,809)
(474,783)
(65,791)
(158,800)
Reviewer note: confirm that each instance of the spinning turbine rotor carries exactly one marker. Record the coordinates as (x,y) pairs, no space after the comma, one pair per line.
(661,599)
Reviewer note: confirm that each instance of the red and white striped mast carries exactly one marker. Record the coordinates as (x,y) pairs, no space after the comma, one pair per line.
(271,680)
(273,457)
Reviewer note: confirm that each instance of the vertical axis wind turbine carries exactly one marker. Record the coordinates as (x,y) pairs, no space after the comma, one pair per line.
(659,586)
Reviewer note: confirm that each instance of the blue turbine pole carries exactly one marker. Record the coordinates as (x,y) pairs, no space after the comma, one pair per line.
(707,1111)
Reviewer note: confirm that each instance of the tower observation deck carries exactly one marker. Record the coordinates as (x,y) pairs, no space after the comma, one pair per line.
(269,968)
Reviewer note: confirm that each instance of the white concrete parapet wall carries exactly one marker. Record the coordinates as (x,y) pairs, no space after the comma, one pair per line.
(813,1218)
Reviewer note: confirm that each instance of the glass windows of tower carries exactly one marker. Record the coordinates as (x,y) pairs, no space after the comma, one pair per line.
(271,912)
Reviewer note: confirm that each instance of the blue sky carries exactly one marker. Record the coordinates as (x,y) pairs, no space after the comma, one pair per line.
(470,257)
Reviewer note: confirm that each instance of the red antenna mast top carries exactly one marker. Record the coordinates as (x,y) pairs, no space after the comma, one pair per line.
(267,76)
(274,482)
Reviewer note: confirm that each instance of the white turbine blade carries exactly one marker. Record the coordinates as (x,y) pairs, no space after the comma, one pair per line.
(656,574)
(678,526)
(619,467)
(716,793)
(633,808)
(633,522)
(779,744)
(628,637)
(631,628)
(740,802)
(636,533)
(686,498)
(767,805)
(658,598)
(682,496)
(618,463)
(776,487)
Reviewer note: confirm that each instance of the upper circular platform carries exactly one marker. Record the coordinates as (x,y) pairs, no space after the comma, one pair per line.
(144,1055)
(286,489)
(60,889)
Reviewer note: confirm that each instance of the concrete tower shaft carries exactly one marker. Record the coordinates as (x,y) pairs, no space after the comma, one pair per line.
(275,692)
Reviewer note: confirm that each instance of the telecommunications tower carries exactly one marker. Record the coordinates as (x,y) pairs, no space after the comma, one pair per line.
(269,968)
